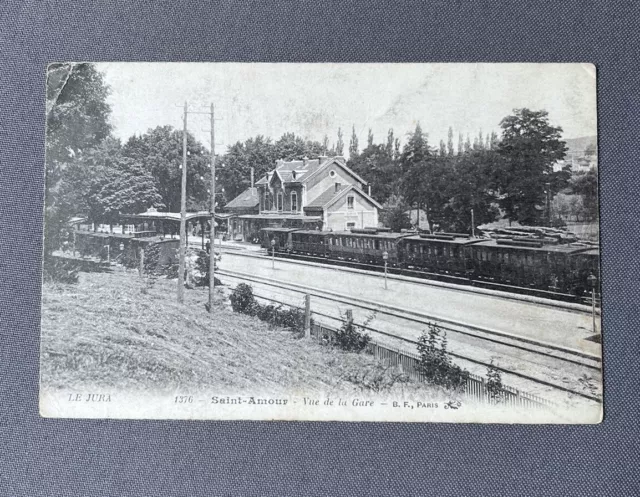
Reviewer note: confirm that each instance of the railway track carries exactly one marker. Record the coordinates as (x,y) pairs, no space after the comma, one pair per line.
(473,341)
(461,284)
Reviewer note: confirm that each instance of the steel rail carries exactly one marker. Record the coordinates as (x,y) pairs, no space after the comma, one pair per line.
(462,284)
(421,317)
(454,354)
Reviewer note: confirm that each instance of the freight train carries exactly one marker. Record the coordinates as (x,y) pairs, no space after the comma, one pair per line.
(552,265)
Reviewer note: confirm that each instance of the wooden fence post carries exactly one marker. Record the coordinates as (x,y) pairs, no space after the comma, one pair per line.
(307,316)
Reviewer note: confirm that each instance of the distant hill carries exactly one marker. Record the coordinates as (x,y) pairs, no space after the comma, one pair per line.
(577,146)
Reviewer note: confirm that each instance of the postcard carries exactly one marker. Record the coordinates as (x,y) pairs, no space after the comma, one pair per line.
(322,242)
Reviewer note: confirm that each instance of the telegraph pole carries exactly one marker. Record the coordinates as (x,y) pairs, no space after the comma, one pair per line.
(183,211)
(212,252)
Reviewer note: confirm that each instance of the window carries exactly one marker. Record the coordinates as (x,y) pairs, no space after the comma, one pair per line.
(294,201)
(350,202)
(337,187)
(351,225)
(332,174)
(280,201)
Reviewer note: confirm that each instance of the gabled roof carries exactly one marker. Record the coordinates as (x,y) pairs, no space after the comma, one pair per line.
(300,171)
(330,196)
(341,163)
(247,199)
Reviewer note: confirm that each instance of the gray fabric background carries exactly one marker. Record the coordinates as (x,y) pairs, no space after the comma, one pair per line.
(116,458)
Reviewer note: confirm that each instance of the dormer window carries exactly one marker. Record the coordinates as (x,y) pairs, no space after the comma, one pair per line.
(337,187)
(293,174)
(350,201)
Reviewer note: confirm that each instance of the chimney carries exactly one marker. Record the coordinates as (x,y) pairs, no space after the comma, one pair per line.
(251,177)
(369,189)
(322,158)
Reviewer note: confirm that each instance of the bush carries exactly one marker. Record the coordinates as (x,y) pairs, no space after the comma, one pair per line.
(202,267)
(376,377)
(350,337)
(242,299)
(494,383)
(130,257)
(435,364)
(291,318)
(60,271)
(152,258)
(170,270)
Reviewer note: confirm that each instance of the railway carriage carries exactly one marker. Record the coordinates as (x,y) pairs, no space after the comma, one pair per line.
(281,236)
(309,242)
(529,264)
(523,262)
(365,246)
(438,253)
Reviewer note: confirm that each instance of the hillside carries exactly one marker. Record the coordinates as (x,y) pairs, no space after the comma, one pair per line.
(577,146)
(111,330)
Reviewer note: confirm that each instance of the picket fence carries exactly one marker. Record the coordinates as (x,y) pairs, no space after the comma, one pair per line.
(474,389)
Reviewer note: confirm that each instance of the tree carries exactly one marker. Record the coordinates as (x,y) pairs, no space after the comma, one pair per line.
(396,217)
(460,144)
(353,143)
(325,145)
(390,143)
(467,145)
(77,120)
(291,147)
(586,185)
(340,143)
(470,188)
(125,189)
(443,149)
(104,184)
(529,148)
(370,138)
(450,151)
(159,152)
(425,178)
(379,168)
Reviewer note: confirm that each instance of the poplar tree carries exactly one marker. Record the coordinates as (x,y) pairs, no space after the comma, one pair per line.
(340,143)
(450,142)
(443,149)
(353,143)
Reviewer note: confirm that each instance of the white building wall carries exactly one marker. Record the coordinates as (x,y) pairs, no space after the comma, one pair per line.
(363,214)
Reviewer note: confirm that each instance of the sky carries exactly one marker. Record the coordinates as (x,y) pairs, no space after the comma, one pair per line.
(312,100)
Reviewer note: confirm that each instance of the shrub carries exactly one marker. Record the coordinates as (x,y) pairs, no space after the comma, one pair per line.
(350,337)
(152,258)
(202,267)
(60,271)
(242,299)
(494,383)
(435,364)
(376,377)
(130,257)
(170,270)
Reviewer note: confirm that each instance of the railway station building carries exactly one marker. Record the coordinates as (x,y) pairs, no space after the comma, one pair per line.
(323,194)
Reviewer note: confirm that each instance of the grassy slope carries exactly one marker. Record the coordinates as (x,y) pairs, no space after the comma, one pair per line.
(108,331)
